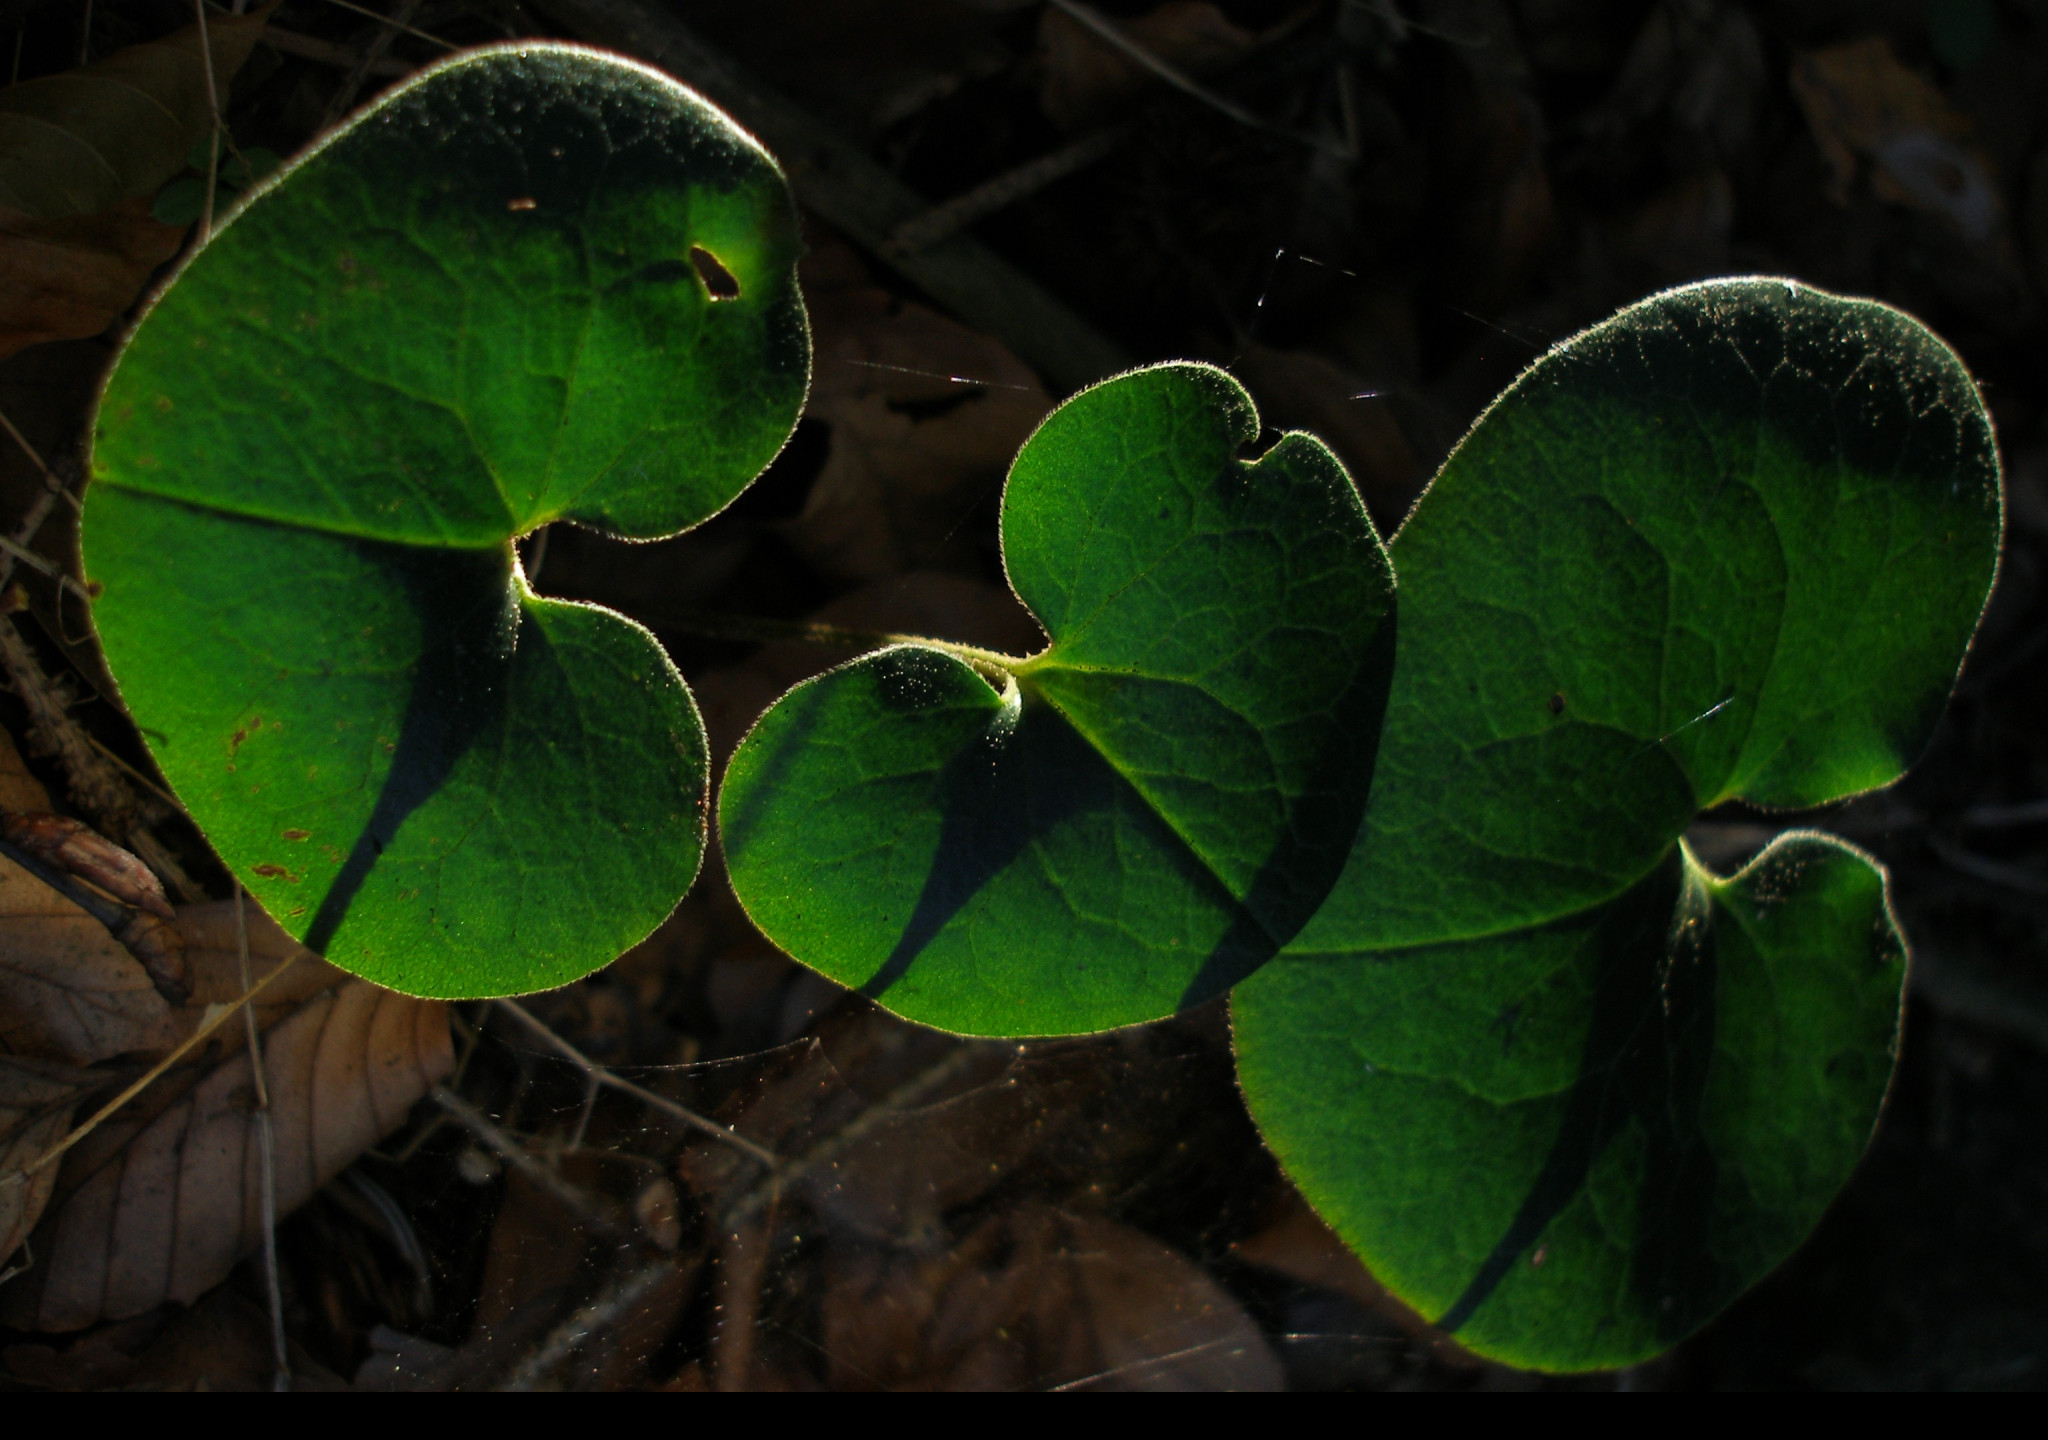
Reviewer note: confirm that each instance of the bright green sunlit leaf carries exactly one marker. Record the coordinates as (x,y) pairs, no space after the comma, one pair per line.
(533,284)
(1134,818)
(1566,1092)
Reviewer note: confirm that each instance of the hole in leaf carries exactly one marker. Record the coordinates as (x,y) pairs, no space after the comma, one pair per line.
(718,281)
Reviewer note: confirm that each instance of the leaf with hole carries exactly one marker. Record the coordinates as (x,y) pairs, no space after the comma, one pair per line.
(533,284)
(1141,813)
(1567,1092)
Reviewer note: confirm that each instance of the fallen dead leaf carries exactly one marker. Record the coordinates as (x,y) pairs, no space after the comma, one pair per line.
(76,847)
(68,278)
(77,143)
(222,1343)
(1038,1298)
(162,1200)
(68,990)
(36,1104)
(1868,109)
(925,416)
(19,788)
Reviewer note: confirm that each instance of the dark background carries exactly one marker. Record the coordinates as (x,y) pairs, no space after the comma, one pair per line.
(1376,213)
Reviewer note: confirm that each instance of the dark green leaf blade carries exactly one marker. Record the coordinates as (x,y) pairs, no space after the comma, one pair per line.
(1731,543)
(1129,821)
(464,790)
(472,311)
(1573,1144)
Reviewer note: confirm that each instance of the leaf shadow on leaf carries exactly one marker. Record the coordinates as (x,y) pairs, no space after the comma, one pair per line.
(1025,776)
(1031,772)
(1646,1058)
(471,618)
(1296,877)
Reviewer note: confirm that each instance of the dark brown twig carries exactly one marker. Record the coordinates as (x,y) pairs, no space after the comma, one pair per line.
(599,1075)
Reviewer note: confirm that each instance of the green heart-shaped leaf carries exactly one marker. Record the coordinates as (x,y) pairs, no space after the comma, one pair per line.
(1140,814)
(535,283)
(1566,1092)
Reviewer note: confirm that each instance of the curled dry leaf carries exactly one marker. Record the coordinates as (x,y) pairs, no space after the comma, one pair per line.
(82,141)
(161,1201)
(925,416)
(77,847)
(1039,1298)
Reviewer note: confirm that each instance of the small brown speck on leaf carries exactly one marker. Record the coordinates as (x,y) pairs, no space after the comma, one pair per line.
(524,202)
(298,834)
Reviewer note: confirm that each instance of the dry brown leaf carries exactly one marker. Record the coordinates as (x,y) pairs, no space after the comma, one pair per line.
(1864,105)
(214,960)
(222,1343)
(76,847)
(68,990)
(69,278)
(913,450)
(36,1103)
(894,1173)
(79,142)
(161,1201)
(1083,79)
(1038,1298)
(19,788)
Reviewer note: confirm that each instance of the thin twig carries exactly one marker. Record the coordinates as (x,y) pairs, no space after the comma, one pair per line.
(2000,817)
(600,1075)
(266,1149)
(213,133)
(1992,872)
(394,24)
(836,179)
(613,1301)
(38,510)
(326,52)
(137,776)
(839,1141)
(1112,33)
(99,789)
(970,207)
(508,1149)
(197,1038)
(352,83)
